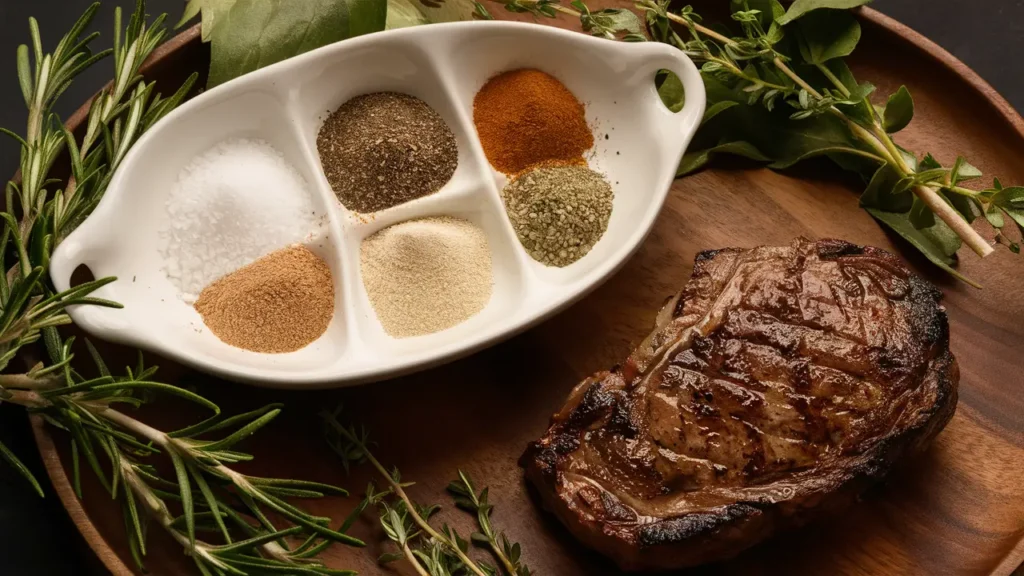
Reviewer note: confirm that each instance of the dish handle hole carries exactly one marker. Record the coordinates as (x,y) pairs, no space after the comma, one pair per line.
(670,89)
(81,275)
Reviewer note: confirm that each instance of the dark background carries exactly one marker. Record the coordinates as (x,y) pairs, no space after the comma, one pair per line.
(36,536)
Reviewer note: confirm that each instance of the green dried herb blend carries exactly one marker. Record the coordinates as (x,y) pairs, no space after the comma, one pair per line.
(384,149)
(559,212)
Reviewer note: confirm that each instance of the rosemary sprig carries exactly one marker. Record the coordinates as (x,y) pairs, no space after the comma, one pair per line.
(429,551)
(466,498)
(206,493)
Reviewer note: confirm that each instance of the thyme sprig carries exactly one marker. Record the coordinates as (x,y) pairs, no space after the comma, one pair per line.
(466,498)
(795,58)
(205,494)
(429,551)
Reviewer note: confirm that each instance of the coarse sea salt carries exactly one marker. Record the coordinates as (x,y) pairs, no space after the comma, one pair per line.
(230,205)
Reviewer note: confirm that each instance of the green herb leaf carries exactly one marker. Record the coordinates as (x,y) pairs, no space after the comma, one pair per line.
(920,215)
(693,161)
(608,22)
(1011,201)
(899,110)
(929,162)
(716,109)
(802,7)
(670,90)
(212,11)
(256,33)
(403,14)
(20,467)
(879,193)
(828,34)
(937,243)
(963,171)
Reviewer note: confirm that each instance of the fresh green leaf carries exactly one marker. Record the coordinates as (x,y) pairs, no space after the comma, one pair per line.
(191,10)
(828,34)
(403,14)
(19,466)
(716,109)
(967,207)
(480,12)
(256,33)
(963,171)
(773,136)
(438,11)
(920,215)
(670,90)
(899,110)
(767,11)
(801,8)
(928,163)
(212,11)
(1011,201)
(693,161)
(930,175)
(938,243)
(879,192)
(995,217)
(608,22)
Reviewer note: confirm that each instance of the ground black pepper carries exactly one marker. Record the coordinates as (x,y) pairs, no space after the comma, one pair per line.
(383,149)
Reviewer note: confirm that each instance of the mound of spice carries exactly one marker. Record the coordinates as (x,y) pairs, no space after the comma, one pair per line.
(279,303)
(383,149)
(558,212)
(231,204)
(526,117)
(426,275)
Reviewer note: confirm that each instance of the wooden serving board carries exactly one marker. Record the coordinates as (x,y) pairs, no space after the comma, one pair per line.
(958,509)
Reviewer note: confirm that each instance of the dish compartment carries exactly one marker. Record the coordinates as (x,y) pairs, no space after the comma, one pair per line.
(508,290)
(330,80)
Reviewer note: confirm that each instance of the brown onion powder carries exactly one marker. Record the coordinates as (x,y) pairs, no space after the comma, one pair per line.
(279,303)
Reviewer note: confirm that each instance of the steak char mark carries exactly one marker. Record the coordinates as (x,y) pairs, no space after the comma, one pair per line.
(780,382)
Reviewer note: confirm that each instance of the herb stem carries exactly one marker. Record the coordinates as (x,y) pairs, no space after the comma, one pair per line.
(736,71)
(954,220)
(413,560)
(834,80)
(397,489)
(795,77)
(936,203)
(866,137)
(509,567)
(699,28)
(26,382)
(963,191)
(891,147)
(26,398)
(565,10)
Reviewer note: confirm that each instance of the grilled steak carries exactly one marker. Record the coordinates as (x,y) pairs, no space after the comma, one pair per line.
(781,381)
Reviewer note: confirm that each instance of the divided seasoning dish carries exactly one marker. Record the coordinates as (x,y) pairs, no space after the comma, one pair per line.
(637,146)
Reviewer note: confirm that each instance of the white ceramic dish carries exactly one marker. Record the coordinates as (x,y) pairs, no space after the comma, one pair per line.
(638,143)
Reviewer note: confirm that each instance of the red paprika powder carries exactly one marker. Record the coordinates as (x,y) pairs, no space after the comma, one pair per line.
(527,117)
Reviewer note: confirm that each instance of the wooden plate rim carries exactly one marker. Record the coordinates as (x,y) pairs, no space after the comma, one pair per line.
(105,552)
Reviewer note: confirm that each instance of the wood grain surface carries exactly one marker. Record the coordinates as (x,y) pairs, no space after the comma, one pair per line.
(957,509)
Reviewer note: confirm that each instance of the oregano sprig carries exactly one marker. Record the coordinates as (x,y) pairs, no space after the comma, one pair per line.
(780,92)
